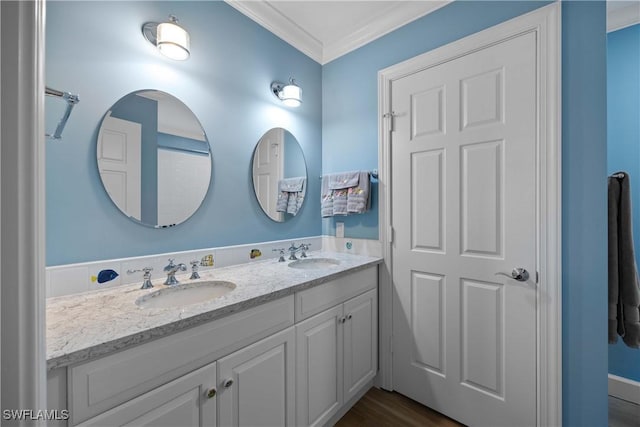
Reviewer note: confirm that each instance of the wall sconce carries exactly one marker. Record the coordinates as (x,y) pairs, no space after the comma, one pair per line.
(171,39)
(290,94)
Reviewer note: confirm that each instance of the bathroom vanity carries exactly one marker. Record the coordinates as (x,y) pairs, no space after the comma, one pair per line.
(289,345)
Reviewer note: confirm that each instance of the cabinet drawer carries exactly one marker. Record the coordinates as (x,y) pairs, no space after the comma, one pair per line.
(104,383)
(313,301)
(182,402)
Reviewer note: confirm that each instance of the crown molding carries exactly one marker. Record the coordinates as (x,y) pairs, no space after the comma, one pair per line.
(264,14)
(392,20)
(623,17)
(270,18)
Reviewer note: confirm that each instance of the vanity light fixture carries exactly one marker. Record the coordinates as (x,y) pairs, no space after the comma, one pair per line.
(171,39)
(290,94)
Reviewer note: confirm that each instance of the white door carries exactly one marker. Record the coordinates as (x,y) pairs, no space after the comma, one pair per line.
(119,163)
(319,367)
(360,342)
(464,194)
(188,401)
(268,169)
(257,384)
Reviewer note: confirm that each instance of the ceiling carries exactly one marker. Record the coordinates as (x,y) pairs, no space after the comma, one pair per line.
(622,13)
(327,29)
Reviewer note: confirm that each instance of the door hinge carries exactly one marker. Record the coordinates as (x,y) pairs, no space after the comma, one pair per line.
(390,234)
(391,117)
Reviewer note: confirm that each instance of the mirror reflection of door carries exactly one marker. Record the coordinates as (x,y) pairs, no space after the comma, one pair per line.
(268,170)
(278,160)
(154,158)
(119,162)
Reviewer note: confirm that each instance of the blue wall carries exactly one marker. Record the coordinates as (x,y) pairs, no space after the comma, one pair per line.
(230,55)
(349,141)
(350,90)
(293,158)
(584,214)
(623,143)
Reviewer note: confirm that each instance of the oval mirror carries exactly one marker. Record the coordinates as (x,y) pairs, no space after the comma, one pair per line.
(154,158)
(279,174)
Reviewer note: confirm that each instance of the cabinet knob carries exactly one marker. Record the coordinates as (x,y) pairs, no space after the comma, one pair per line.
(342,319)
(349,316)
(211,393)
(228,383)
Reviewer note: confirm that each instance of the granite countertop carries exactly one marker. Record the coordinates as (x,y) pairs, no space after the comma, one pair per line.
(97,323)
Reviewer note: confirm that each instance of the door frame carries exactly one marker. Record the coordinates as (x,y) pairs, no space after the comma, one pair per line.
(546,23)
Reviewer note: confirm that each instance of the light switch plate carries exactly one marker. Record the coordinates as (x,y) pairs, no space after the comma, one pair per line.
(339,229)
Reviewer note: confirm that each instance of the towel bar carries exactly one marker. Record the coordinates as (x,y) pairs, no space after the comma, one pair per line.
(71,101)
(373,173)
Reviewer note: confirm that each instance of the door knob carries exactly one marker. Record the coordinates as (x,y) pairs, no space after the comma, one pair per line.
(211,393)
(228,383)
(519,274)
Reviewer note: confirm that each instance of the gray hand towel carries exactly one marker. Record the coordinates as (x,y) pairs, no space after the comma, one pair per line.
(326,198)
(624,288)
(358,196)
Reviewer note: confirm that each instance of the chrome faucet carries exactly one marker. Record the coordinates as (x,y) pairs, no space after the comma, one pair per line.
(292,252)
(171,270)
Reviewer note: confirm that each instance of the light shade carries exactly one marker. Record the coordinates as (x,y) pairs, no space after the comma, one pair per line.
(173,41)
(290,94)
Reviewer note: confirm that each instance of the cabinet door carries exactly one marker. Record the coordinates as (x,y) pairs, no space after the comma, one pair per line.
(360,342)
(319,367)
(186,401)
(257,383)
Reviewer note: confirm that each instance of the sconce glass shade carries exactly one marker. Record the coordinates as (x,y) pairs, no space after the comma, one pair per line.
(290,94)
(173,41)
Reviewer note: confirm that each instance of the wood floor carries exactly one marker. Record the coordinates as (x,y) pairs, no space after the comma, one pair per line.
(381,408)
(623,413)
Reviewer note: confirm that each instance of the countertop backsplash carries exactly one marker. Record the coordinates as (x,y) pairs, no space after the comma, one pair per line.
(83,277)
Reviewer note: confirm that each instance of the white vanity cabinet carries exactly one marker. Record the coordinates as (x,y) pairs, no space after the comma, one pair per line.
(187,401)
(336,350)
(297,360)
(256,384)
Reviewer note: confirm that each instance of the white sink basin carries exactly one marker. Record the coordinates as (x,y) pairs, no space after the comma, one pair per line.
(314,263)
(189,293)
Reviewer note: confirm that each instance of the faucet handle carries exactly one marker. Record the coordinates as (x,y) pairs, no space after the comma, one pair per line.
(194,269)
(146,278)
(304,248)
(146,270)
(281,251)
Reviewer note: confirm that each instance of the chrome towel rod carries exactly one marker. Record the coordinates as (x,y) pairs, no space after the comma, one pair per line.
(617,175)
(71,101)
(373,174)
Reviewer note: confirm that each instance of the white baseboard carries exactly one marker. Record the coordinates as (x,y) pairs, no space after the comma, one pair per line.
(624,388)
